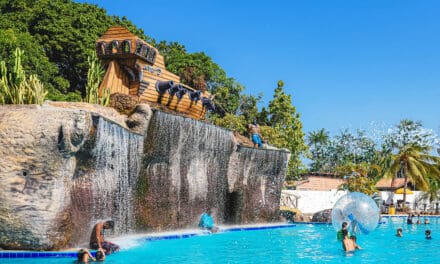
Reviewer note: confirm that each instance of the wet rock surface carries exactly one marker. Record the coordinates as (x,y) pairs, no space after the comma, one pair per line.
(64,166)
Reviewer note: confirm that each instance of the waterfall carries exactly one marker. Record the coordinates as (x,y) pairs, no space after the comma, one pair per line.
(117,153)
(255,179)
(190,165)
(187,162)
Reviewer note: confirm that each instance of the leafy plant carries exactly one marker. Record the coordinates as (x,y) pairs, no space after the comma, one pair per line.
(416,165)
(94,78)
(15,88)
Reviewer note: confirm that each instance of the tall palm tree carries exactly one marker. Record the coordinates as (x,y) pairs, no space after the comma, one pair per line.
(416,165)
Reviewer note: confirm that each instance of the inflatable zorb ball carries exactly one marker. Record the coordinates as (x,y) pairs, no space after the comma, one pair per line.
(359,210)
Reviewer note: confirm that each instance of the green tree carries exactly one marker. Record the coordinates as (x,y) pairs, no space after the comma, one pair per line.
(317,141)
(360,177)
(409,132)
(344,148)
(64,32)
(433,192)
(416,165)
(263,117)
(287,129)
(231,122)
(34,61)
(248,107)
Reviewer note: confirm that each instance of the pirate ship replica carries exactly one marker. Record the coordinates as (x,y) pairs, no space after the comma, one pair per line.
(136,68)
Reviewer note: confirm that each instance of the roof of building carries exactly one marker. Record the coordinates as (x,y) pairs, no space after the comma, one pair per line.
(390,183)
(319,183)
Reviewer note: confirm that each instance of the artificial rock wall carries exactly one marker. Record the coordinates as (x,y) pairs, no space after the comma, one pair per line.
(64,166)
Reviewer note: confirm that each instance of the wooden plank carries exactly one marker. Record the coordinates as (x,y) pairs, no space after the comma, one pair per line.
(174,104)
(177,106)
(167,98)
(105,81)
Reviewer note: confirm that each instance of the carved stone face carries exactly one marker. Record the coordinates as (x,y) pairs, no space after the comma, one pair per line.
(37,147)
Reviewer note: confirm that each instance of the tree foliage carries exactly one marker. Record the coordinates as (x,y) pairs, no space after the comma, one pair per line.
(57,36)
(286,129)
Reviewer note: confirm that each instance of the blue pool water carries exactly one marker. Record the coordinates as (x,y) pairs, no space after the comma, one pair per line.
(301,243)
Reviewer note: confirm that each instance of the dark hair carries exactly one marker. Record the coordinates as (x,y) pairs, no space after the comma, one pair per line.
(428,232)
(110,224)
(99,255)
(353,237)
(399,229)
(344,232)
(344,224)
(80,254)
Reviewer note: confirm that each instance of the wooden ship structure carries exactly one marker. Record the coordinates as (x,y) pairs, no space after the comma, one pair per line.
(136,68)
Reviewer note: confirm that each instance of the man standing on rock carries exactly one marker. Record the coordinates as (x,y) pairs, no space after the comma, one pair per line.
(97,240)
(254,130)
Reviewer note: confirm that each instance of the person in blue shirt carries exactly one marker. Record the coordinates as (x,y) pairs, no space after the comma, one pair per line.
(206,221)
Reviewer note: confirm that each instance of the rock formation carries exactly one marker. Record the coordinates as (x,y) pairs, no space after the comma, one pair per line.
(63,166)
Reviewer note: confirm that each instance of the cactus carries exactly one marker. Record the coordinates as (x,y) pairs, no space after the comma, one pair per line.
(15,88)
(105,98)
(94,78)
(36,90)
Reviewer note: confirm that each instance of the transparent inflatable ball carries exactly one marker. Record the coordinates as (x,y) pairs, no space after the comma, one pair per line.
(359,210)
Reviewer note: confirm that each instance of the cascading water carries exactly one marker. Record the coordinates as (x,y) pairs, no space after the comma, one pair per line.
(186,166)
(117,154)
(190,166)
(255,179)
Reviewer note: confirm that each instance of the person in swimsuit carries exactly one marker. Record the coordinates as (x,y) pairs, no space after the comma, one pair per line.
(347,244)
(100,255)
(84,256)
(399,232)
(409,220)
(354,238)
(254,130)
(428,234)
(97,240)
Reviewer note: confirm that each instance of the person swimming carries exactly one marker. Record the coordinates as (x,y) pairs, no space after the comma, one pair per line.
(84,256)
(100,255)
(409,220)
(428,234)
(399,232)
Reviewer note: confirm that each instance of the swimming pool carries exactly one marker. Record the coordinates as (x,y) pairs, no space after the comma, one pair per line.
(300,243)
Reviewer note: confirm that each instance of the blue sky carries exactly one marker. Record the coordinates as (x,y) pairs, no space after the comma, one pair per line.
(347,64)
